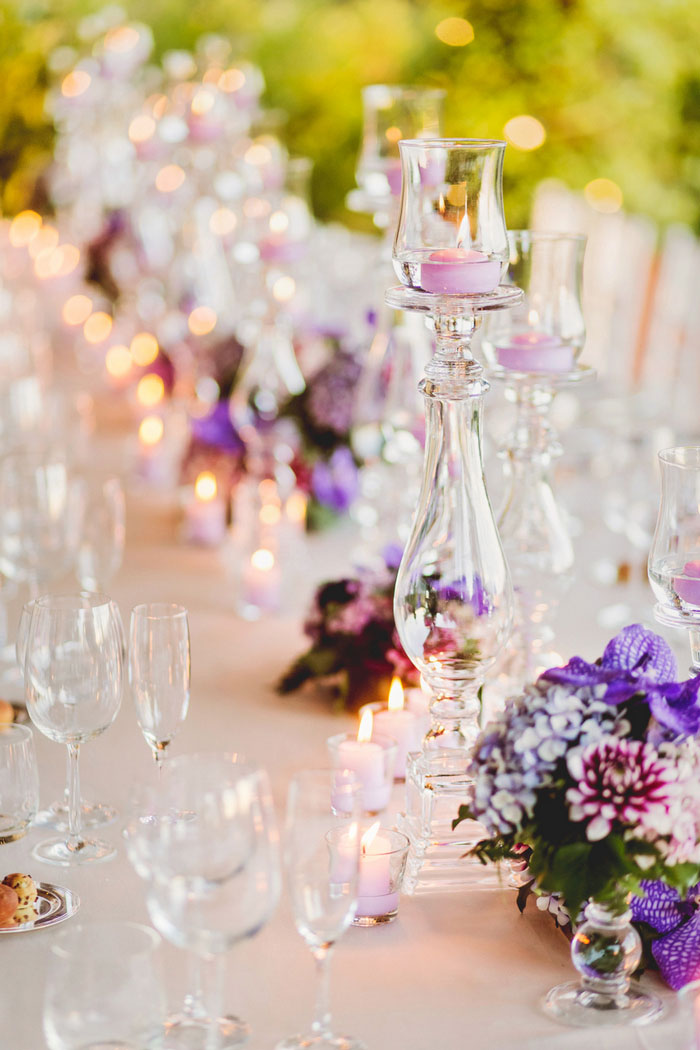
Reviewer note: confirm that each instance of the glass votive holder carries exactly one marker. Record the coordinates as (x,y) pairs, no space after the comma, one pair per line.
(19,781)
(689,1008)
(372,762)
(451,236)
(383,854)
(400,724)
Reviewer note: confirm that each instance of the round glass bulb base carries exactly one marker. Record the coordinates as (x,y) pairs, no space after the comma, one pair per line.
(320,1042)
(56,851)
(93,815)
(573,1004)
(183,1032)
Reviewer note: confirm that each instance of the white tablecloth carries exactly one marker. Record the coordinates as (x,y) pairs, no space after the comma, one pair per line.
(456,970)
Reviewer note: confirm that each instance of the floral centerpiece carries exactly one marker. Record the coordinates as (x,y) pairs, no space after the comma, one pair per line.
(354,644)
(591,779)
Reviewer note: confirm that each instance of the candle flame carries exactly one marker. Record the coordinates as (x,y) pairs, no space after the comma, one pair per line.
(441,204)
(262,559)
(205,487)
(396,697)
(364,733)
(150,390)
(151,430)
(369,836)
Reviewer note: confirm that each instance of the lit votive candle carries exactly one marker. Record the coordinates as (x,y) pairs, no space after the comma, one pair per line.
(399,723)
(535,352)
(262,582)
(459,271)
(687,586)
(382,863)
(205,513)
(371,759)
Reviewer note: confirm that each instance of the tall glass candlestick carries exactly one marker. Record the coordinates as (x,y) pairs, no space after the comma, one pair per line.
(453,598)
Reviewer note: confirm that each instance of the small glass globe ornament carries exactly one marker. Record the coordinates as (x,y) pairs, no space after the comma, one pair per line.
(674,558)
(451,237)
(545,333)
(391,112)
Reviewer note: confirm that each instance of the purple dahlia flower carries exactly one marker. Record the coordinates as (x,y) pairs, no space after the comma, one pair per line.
(620,781)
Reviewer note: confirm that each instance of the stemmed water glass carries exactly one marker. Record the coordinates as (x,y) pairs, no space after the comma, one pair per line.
(73,684)
(205,840)
(159,671)
(321,859)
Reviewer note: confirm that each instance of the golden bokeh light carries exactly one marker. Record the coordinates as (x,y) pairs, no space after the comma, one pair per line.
(205,487)
(46,239)
(151,430)
(257,154)
(142,128)
(75,83)
(77,309)
(255,208)
(57,262)
(170,178)
(456,32)
(295,508)
(267,490)
(525,132)
(121,39)
(150,390)
(393,134)
(24,228)
(97,327)
(283,289)
(270,514)
(202,102)
(144,349)
(262,559)
(202,320)
(279,222)
(118,361)
(603,195)
(231,80)
(222,222)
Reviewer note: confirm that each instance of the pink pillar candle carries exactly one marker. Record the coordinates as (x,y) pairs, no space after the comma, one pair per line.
(535,352)
(688,590)
(458,271)
(375,894)
(372,762)
(404,727)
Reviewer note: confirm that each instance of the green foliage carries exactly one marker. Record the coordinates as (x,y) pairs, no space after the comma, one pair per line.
(616,86)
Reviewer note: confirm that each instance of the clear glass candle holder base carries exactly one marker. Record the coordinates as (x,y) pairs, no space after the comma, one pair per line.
(573,1004)
(436,785)
(56,851)
(186,1032)
(375,920)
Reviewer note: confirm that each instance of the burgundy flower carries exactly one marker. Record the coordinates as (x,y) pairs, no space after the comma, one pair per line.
(619,782)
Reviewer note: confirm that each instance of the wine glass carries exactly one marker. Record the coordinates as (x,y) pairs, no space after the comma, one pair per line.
(206,842)
(159,671)
(104,988)
(19,781)
(73,686)
(93,814)
(100,530)
(321,858)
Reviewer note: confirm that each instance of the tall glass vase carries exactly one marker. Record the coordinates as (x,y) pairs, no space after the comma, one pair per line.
(453,597)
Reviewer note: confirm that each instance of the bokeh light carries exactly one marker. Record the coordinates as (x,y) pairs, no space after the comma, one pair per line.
(456,32)
(24,228)
(202,320)
(77,309)
(97,327)
(118,361)
(75,83)
(144,349)
(170,178)
(525,132)
(151,430)
(604,195)
(150,390)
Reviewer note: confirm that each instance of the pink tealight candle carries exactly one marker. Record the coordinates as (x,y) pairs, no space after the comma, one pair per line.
(459,271)
(205,513)
(402,725)
(374,889)
(367,759)
(535,352)
(688,590)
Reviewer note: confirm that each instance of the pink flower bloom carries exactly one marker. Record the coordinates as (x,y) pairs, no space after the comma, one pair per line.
(621,782)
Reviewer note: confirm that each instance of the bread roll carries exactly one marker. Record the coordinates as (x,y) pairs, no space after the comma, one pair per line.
(24,887)
(9,902)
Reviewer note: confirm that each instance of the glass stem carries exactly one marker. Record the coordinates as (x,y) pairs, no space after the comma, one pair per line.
(694,636)
(322,1016)
(75,839)
(159,756)
(213,998)
(194,999)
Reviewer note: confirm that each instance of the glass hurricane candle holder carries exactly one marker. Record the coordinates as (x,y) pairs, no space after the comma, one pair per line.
(372,760)
(674,558)
(451,237)
(383,854)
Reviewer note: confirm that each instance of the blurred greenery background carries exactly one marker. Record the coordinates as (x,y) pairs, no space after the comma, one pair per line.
(613,85)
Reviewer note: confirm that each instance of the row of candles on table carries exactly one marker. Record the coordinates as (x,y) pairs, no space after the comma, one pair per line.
(376,757)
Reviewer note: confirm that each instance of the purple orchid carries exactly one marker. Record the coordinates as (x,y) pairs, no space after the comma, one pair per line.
(216,430)
(677,920)
(335,482)
(463,590)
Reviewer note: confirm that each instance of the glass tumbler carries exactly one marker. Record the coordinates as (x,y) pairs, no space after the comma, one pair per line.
(19,781)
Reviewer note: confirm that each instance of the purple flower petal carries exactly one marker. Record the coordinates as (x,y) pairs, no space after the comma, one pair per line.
(641,652)
(675,706)
(660,906)
(678,953)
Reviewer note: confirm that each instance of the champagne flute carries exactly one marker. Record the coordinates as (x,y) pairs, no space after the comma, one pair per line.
(208,849)
(321,858)
(73,685)
(159,671)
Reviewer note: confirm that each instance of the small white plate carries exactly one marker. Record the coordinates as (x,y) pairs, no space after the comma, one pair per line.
(53,904)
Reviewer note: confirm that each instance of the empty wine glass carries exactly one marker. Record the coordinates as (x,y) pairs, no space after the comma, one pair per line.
(73,684)
(159,671)
(321,859)
(207,844)
(19,781)
(104,988)
(93,814)
(99,512)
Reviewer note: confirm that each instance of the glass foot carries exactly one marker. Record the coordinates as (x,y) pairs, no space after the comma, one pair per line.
(93,815)
(320,1042)
(573,1004)
(185,1032)
(57,851)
